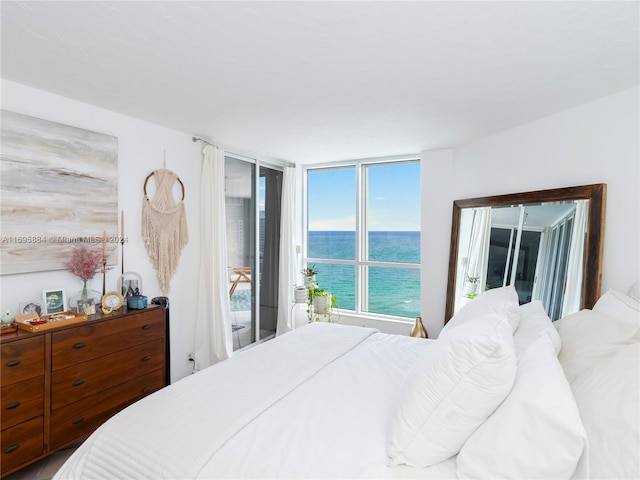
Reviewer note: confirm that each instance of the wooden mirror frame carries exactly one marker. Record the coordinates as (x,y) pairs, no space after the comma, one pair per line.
(596,194)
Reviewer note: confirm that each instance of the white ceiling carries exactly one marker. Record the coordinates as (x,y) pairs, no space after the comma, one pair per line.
(324,81)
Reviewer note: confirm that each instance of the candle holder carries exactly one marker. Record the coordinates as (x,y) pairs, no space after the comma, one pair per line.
(104,276)
(122,254)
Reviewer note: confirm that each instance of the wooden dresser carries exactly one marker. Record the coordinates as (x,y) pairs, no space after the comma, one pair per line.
(59,385)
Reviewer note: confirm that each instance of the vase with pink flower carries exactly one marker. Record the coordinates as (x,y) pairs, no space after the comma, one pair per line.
(85,263)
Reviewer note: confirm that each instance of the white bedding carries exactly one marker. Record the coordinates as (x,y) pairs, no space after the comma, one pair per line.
(317,406)
(322,402)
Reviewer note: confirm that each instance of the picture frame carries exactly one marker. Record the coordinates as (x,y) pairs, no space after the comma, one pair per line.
(86,307)
(55,300)
(31,306)
(128,282)
(31,162)
(112,301)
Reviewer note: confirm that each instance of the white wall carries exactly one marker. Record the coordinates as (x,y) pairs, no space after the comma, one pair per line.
(597,142)
(437,196)
(141,146)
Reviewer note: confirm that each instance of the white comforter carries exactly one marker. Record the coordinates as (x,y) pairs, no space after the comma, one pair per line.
(314,403)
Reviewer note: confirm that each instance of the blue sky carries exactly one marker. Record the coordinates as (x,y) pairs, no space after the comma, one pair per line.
(393,198)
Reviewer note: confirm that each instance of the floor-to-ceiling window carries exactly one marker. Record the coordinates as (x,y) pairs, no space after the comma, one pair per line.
(363,234)
(253,196)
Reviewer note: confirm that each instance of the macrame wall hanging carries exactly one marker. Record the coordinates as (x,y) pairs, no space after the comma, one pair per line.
(164,225)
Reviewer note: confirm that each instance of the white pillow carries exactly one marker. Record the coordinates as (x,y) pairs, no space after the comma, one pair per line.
(452,388)
(588,335)
(536,432)
(619,306)
(608,396)
(534,323)
(503,300)
(635,291)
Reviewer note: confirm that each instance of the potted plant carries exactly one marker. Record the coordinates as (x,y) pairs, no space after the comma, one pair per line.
(300,293)
(320,305)
(309,275)
(471,286)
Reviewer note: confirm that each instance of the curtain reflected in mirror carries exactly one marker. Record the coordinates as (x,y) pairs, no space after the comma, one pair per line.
(547,244)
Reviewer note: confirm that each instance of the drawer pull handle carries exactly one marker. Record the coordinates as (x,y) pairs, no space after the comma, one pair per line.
(78,346)
(12,448)
(147,327)
(146,389)
(14,363)
(146,359)
(78,420)
(77,383)
(13,405)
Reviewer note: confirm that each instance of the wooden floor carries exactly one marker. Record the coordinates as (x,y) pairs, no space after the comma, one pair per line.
(43,469)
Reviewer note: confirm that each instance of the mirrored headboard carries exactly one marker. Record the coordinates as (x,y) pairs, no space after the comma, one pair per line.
(547,243)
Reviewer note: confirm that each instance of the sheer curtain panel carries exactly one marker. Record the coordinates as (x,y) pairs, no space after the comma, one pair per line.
(478,256)
(213,342)
(572,301)
(288,259)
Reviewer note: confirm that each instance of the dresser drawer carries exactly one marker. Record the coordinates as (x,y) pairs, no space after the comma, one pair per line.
(21,401)
(80,418)
(79,381)
(91,341)
(22,359)
(21,444)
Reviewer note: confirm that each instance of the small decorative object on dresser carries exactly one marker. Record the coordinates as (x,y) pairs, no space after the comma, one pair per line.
(85,263)
(8,317)
(8,323)
(54,301)
(111,301)
(31,306)
(86,307)
(136,301)
(30,322)
(128,282)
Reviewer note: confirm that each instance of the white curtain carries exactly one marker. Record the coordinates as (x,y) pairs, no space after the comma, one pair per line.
(288,269)
(572,301)
(213,342)
(478,256)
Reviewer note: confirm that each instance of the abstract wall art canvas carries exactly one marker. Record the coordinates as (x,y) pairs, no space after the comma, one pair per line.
(58,189)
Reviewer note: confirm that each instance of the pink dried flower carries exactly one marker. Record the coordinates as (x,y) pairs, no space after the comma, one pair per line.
(84,263)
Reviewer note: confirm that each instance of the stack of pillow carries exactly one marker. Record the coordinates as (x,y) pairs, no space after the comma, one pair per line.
(601,358)
(492,391)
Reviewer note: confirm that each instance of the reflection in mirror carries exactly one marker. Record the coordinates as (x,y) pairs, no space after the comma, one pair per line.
(547,244)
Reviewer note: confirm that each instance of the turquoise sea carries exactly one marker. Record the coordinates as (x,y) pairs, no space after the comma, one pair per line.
(391,291)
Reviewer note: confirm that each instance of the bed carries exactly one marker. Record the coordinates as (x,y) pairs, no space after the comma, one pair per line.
(502,393)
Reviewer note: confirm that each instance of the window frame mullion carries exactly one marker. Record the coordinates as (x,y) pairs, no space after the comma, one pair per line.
(360,269)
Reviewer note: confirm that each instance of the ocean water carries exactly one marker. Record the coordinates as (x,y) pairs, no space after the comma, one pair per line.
(391,291)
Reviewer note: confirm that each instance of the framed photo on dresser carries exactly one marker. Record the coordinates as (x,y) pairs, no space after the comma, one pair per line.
(54,301)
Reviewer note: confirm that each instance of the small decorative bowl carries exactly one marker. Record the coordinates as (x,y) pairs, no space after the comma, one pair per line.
(136,302)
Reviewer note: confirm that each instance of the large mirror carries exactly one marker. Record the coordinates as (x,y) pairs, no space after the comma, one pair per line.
(547,243)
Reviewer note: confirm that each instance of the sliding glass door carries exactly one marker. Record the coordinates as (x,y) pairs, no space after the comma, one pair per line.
(270,196)
(253,195)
